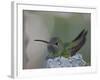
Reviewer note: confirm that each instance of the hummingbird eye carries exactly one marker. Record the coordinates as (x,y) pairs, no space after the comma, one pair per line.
(56,43)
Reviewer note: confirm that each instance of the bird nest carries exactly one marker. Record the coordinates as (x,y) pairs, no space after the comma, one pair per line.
(74,61)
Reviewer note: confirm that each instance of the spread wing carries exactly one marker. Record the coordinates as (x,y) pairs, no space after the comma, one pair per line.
(77,43)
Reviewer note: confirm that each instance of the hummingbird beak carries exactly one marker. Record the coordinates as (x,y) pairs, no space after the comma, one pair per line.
(43,41)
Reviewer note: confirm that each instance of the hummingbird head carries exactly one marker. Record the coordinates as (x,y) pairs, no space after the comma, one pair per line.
(52,45)
(54,41)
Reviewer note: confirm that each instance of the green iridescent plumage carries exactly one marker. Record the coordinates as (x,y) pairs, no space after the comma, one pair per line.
(57,47)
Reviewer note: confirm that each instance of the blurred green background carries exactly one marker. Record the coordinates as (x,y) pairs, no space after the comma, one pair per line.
(47,24)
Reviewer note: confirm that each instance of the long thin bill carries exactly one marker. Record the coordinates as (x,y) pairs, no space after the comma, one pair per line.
(42,41)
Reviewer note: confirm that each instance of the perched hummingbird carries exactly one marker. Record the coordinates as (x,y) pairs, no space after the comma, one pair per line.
(57,47)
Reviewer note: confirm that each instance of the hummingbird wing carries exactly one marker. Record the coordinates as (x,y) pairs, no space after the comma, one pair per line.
(81,33)
(77,43)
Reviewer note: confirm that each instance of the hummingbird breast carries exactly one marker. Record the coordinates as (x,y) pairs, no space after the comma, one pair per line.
(52,48)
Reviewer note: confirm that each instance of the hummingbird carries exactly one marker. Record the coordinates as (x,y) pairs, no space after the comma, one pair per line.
(56,47)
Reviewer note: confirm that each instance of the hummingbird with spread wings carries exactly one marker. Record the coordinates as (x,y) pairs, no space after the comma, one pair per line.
(56,47)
